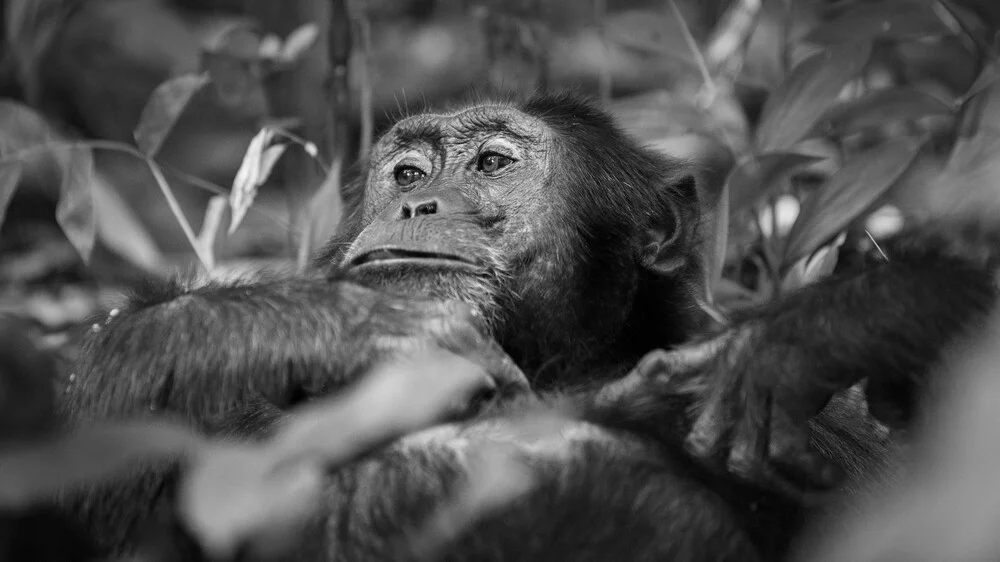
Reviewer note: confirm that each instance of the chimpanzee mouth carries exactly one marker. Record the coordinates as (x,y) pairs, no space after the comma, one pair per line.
(389,257)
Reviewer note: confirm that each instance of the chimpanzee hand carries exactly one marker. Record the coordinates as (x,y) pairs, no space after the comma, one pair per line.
(749,411)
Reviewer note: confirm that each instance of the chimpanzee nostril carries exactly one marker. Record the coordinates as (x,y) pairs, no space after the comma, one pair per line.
(411,210)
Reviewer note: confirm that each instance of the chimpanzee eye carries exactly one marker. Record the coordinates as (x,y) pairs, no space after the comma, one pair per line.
(408,175)
(490,162)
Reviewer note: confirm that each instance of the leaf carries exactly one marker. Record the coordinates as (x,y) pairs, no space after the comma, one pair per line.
(122,232)
(812,87)
(10,178)
(885,19)
(164,108)
(21,127)
(75,210)
(35,472)
(257,164)
(852,190)
(299,41)
(876,109)
(210,227)
(812,268)
(325,210)
(237,83)
(754,178)
(265,493)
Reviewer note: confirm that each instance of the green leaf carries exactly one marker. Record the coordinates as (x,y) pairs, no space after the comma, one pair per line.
(164,108)
(754,178)
(811,88)
(10,177)
(876,109)
(75,210)
(851,191)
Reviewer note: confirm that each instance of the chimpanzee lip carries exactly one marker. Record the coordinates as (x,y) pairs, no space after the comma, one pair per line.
(399,256)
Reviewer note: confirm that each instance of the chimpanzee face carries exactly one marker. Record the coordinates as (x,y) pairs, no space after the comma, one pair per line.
(454,205)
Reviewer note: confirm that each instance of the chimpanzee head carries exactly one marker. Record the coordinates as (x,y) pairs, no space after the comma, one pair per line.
(574,243)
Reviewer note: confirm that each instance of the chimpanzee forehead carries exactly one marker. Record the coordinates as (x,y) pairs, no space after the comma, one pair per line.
(467,124)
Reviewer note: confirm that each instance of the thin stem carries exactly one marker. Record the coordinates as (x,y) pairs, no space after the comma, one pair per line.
(692,44)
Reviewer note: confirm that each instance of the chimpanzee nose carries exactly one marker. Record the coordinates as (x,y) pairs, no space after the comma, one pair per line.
(415,208)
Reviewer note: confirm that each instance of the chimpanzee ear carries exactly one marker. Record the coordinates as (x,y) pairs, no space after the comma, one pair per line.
(668,240)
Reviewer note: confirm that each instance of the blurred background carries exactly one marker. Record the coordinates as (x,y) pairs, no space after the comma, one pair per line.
(143,137)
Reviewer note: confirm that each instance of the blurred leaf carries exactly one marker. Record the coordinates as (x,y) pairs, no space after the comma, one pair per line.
(35,472)
(812,87)
(974,164)
(852,190)
(987,78)
(21,127)
(878,108)
(270,47)
(10,178)
(715,256)
(811,269)
(299,41)
(888,19)
(238,83)
(75,210)
(263,494)
(754,178)
(121,231)
(163,108)
(650,32)
(325,210)
(257,164)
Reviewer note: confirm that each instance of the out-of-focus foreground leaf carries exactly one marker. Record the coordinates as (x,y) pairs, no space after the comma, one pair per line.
(851,191)
(261,495)
(164,108)
(811,88)
(35,472)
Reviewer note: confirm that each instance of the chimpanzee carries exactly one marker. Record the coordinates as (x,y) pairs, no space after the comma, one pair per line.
(543,228)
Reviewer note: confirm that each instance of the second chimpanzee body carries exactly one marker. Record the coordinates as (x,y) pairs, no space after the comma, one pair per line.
(576,250)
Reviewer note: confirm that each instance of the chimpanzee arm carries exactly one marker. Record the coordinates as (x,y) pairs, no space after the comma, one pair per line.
(752,389)
(204,352)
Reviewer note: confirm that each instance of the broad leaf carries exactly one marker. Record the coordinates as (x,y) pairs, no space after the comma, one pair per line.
(75,210)
(10,177)
(21,127)
(325,210)
(888,19)
(811,88)
(878,108)
(754,178)
(121,230)
(164,108)
(851,191)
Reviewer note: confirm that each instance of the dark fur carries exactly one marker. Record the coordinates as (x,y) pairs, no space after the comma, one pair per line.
(624,488)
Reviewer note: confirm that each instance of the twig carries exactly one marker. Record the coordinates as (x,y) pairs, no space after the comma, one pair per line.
(365,95)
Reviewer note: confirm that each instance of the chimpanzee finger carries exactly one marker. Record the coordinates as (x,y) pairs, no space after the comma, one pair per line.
(748,454)
(791,454)
(710,430)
